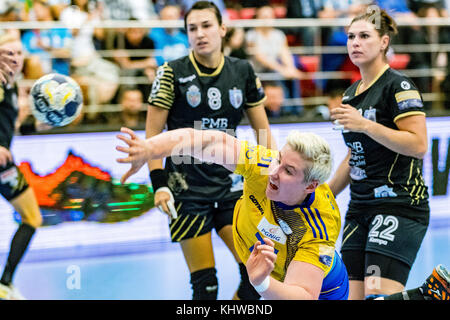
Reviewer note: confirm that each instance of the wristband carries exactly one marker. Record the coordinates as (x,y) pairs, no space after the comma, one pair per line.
(158,179)
(263,286)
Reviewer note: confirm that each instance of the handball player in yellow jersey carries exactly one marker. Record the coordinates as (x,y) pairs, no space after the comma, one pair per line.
(286,224)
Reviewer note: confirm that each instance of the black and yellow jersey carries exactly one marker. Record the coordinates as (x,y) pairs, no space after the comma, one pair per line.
(203,98)
(381,177)
(9,110)
(307,232)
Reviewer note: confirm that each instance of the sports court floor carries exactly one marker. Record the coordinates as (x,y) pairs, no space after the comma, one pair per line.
(160,273)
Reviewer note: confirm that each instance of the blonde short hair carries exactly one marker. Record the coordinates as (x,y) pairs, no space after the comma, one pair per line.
(316,151)
(8,37)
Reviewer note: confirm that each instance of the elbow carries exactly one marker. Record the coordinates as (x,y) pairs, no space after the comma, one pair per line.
(421,150)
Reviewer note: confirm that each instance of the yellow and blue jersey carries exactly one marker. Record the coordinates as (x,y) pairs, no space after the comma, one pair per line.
(306,232)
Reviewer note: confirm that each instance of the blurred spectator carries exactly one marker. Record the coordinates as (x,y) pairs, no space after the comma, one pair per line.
(185,5)
(98,78)
(50,46)
(336,36)
(417,5)
(251,3)
(269,52)
(10,11)
(132,113)
(304,9)
(235,45)
(428,60)
(172,43)
(135,65)
(275,97)
(127,9)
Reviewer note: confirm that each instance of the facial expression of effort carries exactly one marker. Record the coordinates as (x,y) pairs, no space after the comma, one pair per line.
(364,44)
(204,32)
(286,178)
(18,56)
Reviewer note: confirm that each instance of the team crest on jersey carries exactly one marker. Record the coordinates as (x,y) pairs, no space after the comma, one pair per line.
(193,96)
(371,114)
(405,85)
(235,97)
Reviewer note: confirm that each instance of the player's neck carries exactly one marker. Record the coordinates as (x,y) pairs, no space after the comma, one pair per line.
(370,72)
(210,61)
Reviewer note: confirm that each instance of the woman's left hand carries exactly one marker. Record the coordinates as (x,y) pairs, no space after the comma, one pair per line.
(349,117)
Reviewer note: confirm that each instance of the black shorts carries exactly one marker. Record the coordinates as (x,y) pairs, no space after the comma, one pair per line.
(196,218)
(12,181)
(392,236)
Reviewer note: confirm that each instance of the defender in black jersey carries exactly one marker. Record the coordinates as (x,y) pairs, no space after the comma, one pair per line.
(383,122)
(13,186)
(208,91)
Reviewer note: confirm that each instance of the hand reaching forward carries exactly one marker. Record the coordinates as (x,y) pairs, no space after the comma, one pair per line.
(261,261)
(138,152)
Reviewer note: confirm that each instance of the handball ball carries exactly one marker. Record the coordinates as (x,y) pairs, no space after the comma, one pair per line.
(56,99)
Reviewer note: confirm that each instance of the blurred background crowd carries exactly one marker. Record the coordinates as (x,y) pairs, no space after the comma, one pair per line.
(298,51)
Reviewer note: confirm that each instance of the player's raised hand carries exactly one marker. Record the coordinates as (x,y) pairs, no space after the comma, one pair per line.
(137,152)
(261,261)
(6,65)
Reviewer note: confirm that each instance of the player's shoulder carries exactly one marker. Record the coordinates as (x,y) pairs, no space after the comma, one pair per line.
(398,81)
(177,64)
(237,62)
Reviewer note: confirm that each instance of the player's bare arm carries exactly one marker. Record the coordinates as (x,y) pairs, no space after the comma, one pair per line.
(206,145)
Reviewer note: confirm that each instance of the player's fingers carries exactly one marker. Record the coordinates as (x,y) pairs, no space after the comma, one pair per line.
(269,242)
(129,131)
(124,160)
(164,208)
(125,139)
(123,149)
(172,210)
(255,248)
(125,177)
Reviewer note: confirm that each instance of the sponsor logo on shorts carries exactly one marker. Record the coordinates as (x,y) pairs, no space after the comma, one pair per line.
(384,192)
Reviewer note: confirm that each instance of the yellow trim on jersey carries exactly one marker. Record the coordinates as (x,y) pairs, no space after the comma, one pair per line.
(257,103)
(201,74)
(407,114)
(407,95)
(386,66)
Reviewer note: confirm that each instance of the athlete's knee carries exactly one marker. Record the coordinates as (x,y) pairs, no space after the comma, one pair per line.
(204,284)
(34,220)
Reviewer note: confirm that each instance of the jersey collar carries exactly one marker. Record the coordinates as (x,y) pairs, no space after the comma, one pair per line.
(201,74)
(306,203)
(386,66)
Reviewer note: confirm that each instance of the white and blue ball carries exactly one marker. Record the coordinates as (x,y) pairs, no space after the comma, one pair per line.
(56,99)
